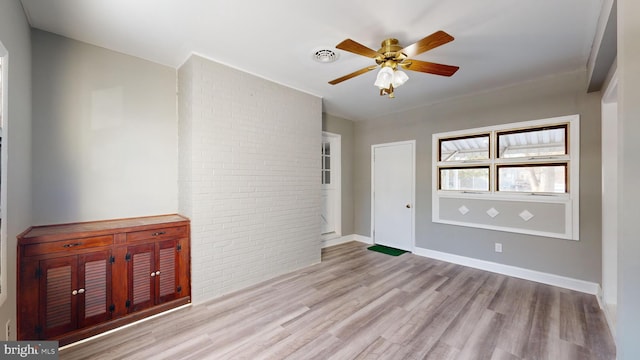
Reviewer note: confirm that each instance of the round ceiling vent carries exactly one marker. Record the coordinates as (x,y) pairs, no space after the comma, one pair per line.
(324,55)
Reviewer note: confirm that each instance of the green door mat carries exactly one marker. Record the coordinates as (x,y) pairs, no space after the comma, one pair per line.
(387,250)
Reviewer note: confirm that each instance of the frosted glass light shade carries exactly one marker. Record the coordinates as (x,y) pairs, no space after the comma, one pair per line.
(384,78)
(399,78)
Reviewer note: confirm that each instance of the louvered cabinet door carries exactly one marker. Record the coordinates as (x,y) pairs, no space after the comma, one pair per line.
(95,286)
(168,265)
(141,276)
(58,301)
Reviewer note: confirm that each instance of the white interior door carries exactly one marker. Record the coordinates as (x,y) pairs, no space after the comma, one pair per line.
(393,183)
(331,215)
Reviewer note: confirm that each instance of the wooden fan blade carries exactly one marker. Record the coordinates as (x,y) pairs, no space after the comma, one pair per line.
(429,67)
(357,48)
(353,74)
(430,42)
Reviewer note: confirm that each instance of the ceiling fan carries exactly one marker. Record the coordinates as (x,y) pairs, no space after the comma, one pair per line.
(391,57)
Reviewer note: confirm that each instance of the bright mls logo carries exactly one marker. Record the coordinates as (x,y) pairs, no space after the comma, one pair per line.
(44,350)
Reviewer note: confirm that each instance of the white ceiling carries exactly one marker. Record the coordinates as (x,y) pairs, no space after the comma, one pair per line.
(497,42)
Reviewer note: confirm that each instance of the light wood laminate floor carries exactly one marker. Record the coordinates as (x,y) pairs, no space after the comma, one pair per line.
(359,304)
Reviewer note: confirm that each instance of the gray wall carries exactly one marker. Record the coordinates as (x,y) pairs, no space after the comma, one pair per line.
(544,98)
(628,175)
(14,35)
(104,134)
(345,128)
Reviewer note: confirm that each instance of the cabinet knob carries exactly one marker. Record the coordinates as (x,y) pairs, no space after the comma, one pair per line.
(81,291)
(74,292)
(153,274)
(158,233)
(158,272)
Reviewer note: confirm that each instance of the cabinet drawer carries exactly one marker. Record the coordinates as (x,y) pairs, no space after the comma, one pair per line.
(67,245)
(158,234)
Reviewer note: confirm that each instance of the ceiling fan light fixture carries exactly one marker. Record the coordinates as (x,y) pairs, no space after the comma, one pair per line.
(384,78)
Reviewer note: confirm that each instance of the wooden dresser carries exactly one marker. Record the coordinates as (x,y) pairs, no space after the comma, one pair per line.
(78,280)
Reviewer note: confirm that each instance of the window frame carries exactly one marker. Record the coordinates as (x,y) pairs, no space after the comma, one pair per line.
(476,166)
(564,126)
(536,164)
(571,160)
(470,136)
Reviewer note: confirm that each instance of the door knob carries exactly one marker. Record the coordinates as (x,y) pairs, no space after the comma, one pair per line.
(408,206)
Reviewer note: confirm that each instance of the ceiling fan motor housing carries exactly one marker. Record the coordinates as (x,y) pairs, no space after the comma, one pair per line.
(390,53)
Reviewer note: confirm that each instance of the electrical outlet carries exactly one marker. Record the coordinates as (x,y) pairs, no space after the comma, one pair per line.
(498,247)
(8,330)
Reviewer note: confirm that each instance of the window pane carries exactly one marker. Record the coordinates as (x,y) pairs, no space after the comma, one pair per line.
(475,178)
(327,178)
(533,142)
(327,162)
(548,178)
(465,148)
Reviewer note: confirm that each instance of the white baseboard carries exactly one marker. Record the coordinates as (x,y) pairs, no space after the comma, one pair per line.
(363,239)
(124,327)
(533,275)
(346,239)
(610,312)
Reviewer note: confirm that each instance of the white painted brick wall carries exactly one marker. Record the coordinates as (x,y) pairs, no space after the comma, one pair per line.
(249,176)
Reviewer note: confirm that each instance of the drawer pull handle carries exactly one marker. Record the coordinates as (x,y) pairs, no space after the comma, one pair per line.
(158,233)
(71,245)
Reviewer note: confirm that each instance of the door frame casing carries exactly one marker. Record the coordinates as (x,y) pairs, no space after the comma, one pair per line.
(413,188)
(336,180)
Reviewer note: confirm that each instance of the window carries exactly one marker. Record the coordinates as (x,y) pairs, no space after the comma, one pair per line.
(474,178)
(482,176)
(465,148)
(326,163)
(533,178)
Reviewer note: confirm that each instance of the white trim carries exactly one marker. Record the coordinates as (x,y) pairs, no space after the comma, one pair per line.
(609,311)
(413,188)
(124,326)
(611,91)
(336,182)
(571,200)
(363,239)
(4,54)
(514,271)
(508,229)
(610,194)
(346,239)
